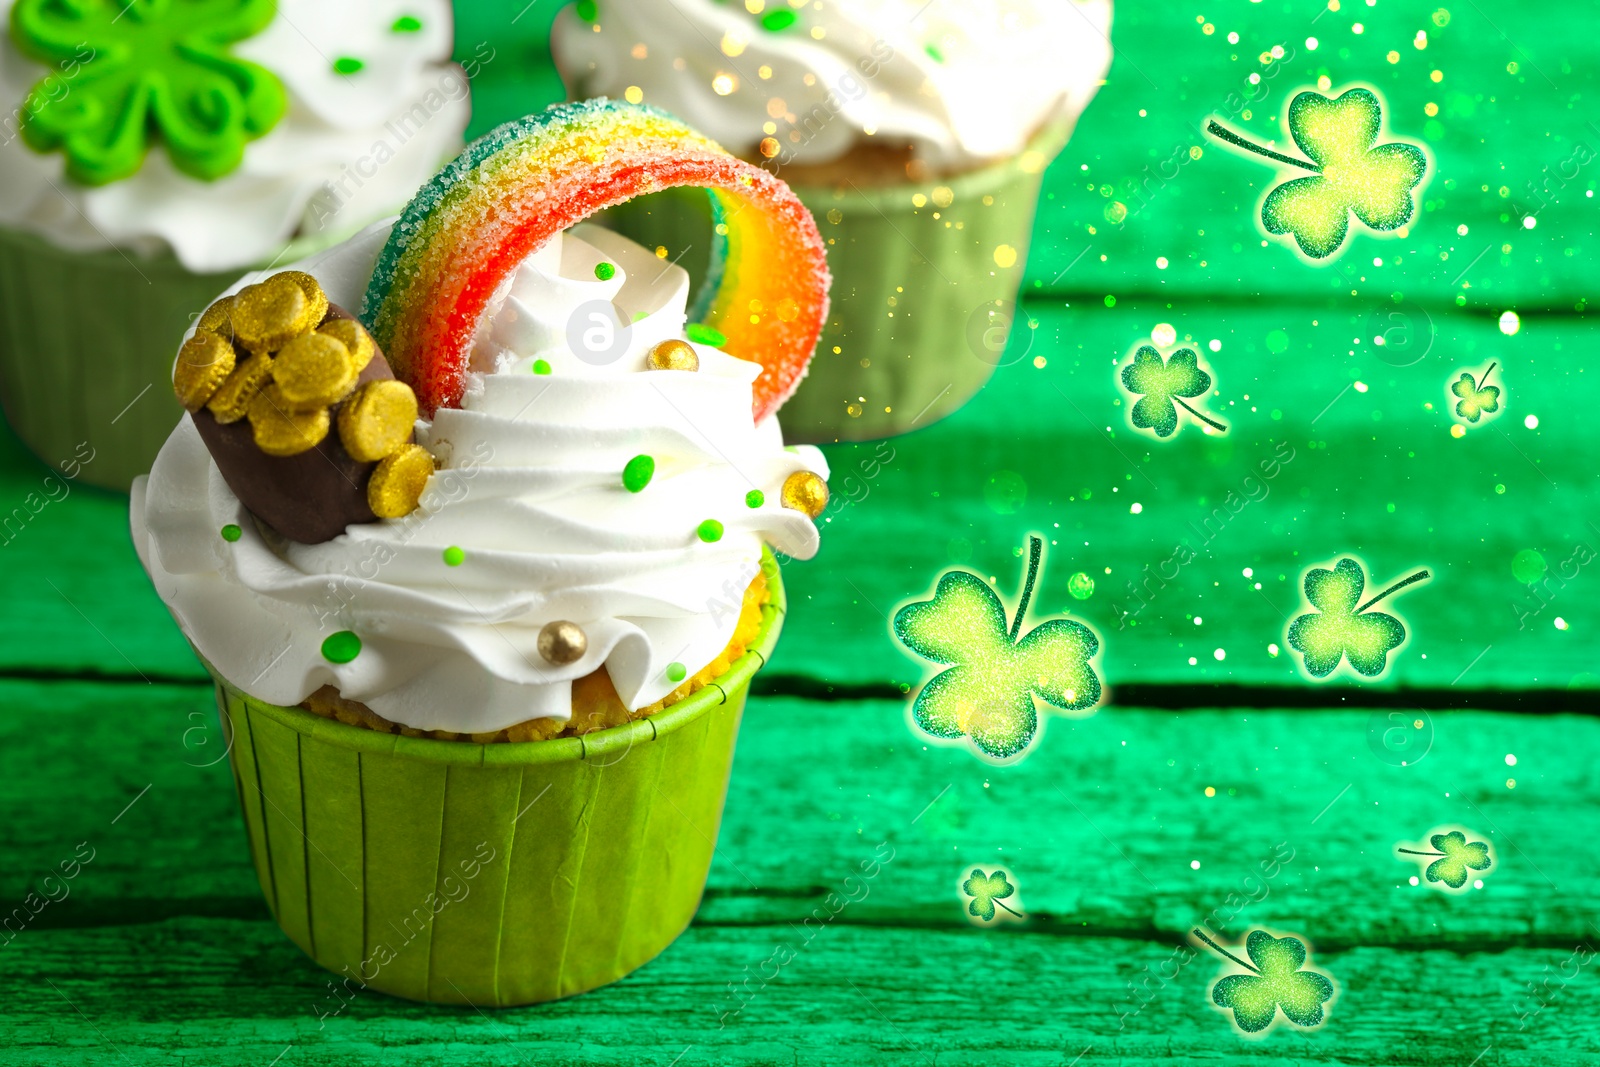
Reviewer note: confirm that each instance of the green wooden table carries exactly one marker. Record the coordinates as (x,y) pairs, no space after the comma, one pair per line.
(1123,830)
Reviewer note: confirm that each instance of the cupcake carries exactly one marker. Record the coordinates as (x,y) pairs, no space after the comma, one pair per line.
(153,150)
(917,132)
(483,573)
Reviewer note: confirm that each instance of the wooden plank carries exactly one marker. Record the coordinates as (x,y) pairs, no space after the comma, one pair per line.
(1100,825)
(226,992)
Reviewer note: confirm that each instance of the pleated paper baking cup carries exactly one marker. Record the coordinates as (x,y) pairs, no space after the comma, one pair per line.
(87,341)
(925,278)
(488,874)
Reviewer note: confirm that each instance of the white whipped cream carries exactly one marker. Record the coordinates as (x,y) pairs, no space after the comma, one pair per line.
(530,488)
(349,149)
(965,81)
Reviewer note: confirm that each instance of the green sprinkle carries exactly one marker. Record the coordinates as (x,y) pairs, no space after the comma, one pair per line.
(347,65)
(777,19)
(701,334)
(541,367)
(754,498)
(637,315)
(406,24)
(587,10)
(933,53)
(341,647)
(710,530)
(1111,301)
(676,671)
(605,271)
(637,474)
(454,557)
(231,532)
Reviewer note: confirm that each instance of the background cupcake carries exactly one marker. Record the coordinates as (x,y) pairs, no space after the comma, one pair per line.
(150,151)
(917,134)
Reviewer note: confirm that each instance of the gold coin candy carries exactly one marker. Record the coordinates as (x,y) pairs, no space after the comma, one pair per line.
(313,290)
(313,371)
(805,492)
(231,402)
(204,363)
(377,419)
(265,353)
(218,318)
(673,354)
(270,314)
(355,339)
(397,484)
(280,430)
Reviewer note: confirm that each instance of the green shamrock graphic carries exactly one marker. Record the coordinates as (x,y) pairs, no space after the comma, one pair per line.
(988,891)
(988,693)
(1353,173)
(141,68)
(1476,399)
(1276,983)
(1161,384)
(1338,629)
(1456,855)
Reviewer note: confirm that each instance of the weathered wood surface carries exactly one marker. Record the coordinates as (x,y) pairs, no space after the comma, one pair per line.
(1101,825)
(226,992)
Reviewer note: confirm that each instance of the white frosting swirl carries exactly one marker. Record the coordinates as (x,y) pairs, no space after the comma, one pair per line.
(350,148)
(964,81)
(530,488)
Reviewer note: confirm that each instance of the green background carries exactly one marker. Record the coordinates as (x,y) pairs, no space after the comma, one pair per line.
(164,951)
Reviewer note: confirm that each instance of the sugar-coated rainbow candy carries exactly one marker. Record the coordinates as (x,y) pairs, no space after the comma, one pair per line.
(521,183)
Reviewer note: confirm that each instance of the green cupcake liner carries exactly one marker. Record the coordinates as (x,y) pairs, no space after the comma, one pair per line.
(87,341)
(488,874)
(925,276)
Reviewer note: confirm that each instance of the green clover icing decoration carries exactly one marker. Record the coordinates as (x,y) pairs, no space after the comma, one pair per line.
(1276,983)
(1161,385)
(1456,856)
(987,891)
(1338,629)
(1476,399)
(987,695)
(1354,174)
(141,69)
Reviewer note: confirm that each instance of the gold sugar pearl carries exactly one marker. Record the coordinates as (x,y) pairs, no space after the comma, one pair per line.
(313,290)
(313,371)
(218,318)
(354,337)
(397,484)
(805,492)
(281,431)
(673,355)
(562,642)
(204,363)
(377,419)
(270,315)
(231,401)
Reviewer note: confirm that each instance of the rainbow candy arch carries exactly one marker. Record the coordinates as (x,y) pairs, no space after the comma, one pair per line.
(522,183)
